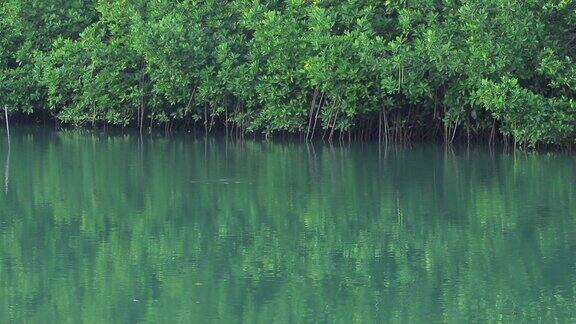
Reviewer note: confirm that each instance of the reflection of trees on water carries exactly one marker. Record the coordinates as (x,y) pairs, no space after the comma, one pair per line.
(413,234)
(7,168)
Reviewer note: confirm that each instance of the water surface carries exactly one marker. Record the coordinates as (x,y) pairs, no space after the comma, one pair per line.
(98,227)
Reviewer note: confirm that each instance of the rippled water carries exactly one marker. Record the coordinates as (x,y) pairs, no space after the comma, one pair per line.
(104,227)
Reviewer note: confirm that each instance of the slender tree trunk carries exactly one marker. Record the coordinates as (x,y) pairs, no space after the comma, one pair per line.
(138,118)
(380,126)
(212,122)
(333,126)
(226,122)
(93,114)
(142,103)
(142,109)
(311,113)
(386,128)
(206,118)
(454,132)
(328,123)
(492,133)
(446,130)
(316,116)
(7,123)
(190,101)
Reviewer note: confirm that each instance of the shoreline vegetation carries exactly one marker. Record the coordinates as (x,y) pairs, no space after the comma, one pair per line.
(390,71)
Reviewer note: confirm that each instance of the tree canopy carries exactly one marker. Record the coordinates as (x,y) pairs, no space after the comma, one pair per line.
(388,69)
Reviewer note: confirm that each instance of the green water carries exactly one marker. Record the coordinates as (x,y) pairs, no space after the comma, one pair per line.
(111,228)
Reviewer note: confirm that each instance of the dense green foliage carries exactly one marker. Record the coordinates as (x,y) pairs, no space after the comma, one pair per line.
(182,230)
(395,69)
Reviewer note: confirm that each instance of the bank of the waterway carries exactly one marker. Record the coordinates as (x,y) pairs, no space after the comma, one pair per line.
(117,228)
